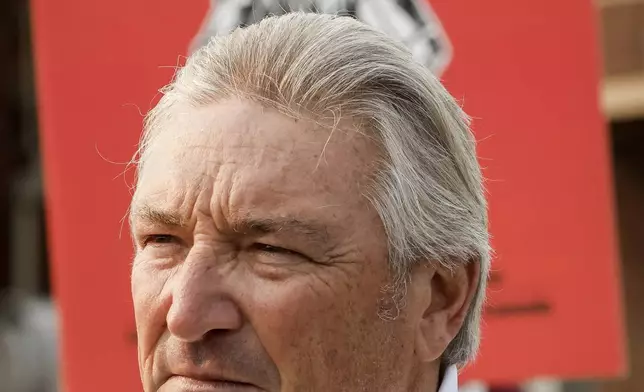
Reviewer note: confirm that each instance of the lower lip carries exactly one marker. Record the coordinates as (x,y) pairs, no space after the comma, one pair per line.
(186,384)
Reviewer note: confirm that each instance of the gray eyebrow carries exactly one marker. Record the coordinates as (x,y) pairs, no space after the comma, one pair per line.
(150,214)
(313,230)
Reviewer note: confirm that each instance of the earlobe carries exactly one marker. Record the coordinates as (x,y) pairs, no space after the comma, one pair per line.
(431,339)
(450,295)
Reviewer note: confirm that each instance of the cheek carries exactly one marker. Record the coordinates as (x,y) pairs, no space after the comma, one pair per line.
(150,306)
(317,335)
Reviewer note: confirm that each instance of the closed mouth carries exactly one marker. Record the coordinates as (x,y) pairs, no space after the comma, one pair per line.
(184,383)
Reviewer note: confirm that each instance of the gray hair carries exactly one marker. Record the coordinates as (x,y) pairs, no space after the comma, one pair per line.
(428,188)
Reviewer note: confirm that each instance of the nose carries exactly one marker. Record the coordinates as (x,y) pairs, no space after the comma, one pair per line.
(201,301)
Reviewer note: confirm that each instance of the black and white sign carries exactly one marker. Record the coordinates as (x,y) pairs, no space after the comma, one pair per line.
(410,21)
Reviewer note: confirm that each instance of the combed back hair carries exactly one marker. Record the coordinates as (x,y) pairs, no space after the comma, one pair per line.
(428,187)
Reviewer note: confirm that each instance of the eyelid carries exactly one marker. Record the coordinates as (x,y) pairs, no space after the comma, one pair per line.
(281,250)
(147,239)
(277,249)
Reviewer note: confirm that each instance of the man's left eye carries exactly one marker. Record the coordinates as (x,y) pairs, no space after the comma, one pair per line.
(273,249)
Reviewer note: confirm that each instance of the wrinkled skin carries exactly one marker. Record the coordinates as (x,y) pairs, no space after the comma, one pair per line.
(260,264)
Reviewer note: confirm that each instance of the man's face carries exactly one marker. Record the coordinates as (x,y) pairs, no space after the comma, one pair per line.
(260,265)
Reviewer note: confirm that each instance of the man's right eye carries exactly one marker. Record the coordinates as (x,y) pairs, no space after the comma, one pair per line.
(159,239)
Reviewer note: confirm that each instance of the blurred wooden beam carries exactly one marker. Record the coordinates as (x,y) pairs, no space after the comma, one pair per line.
(616,3)
(623,96)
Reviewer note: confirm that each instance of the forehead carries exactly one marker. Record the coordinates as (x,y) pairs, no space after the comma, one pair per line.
(257,156)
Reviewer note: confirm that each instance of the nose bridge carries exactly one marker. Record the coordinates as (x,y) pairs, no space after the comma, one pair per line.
(201,301)
(193,280)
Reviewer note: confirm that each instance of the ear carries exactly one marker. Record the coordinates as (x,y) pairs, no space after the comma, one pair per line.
(448,294)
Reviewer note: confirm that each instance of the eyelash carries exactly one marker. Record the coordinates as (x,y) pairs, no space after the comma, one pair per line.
(163,239)
(155,239)
(273,249)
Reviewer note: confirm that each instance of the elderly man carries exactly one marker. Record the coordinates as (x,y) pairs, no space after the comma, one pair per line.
(308,216)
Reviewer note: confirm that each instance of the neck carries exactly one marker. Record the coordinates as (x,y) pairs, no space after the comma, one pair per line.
(427,377)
